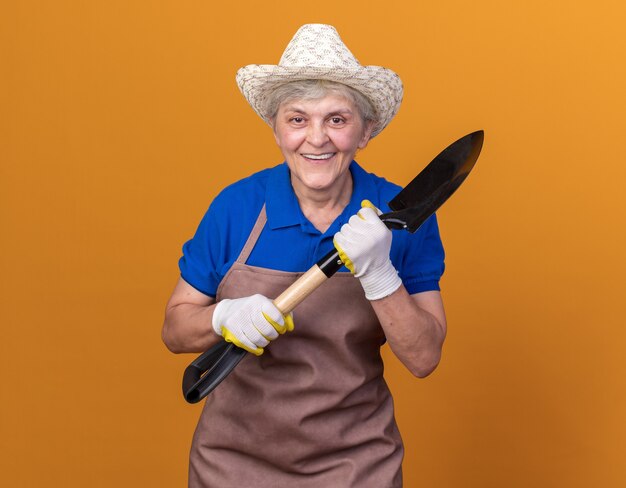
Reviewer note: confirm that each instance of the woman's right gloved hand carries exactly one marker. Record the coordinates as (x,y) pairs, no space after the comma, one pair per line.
(364,244)
(250,322)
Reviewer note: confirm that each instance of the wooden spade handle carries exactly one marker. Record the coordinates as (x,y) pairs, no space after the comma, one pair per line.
(308,282)
(300,289)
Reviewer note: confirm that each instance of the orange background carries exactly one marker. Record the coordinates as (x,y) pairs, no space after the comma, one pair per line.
(121,120)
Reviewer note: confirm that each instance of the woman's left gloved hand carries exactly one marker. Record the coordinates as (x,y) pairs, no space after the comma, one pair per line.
(363,245)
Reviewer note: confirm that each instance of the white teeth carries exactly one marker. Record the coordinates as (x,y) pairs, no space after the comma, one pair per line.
(319,156)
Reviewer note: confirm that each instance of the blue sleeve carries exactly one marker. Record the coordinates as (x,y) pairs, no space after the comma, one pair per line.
(203,253)
(419,257)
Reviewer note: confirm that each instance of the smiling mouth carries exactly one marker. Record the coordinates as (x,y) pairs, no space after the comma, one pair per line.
(319,157)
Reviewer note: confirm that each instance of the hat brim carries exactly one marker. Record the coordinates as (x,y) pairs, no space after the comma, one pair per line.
(380,85)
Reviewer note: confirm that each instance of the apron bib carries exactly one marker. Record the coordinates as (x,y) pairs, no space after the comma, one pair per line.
(314,410)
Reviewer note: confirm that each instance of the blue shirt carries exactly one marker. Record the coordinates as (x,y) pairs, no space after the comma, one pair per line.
(289,242)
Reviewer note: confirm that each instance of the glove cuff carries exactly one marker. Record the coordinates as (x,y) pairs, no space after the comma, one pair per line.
(381,282)
(216,323)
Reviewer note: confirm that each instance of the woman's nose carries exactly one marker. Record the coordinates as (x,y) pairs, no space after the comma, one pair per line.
(317,135)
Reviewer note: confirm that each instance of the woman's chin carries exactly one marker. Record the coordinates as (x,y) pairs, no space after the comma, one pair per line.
(319,183)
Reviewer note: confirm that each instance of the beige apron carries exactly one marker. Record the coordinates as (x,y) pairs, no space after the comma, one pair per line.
(313,410)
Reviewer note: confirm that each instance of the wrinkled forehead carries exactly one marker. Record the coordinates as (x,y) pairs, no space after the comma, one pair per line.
(303,91)
(328,103)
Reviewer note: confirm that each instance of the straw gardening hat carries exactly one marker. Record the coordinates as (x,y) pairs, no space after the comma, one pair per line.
(317,52)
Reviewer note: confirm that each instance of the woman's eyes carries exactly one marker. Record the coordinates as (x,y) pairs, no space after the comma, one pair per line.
(333,120)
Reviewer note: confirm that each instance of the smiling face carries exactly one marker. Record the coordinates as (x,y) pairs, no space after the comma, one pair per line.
(318,139)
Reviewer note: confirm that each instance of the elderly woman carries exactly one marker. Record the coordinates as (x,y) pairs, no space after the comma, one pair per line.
(311,409)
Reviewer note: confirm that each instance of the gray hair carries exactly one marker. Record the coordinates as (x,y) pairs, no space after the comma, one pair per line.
(314,90)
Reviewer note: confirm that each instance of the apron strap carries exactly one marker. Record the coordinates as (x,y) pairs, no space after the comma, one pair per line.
(253,237)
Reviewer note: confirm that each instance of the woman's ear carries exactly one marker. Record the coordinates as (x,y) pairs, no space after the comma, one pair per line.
(273,126)
(367,134)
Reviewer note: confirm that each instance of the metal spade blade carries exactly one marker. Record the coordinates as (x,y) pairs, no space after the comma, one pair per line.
(434,185)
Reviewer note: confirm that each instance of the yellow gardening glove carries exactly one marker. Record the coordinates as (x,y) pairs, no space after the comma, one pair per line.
(364,244)
(250,322)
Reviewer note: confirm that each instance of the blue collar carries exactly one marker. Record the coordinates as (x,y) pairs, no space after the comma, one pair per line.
(282,205)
